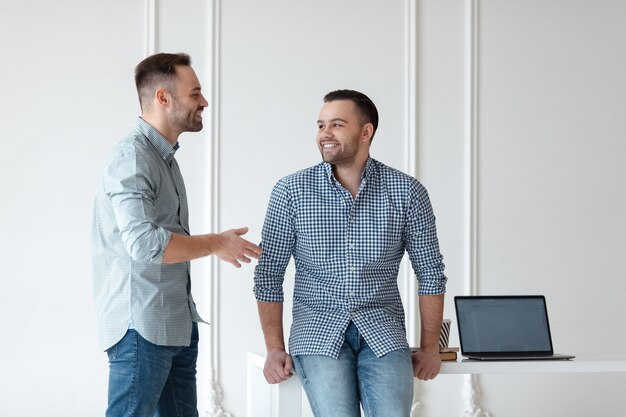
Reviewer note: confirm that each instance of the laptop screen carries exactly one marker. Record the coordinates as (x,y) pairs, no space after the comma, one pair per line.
(503,324)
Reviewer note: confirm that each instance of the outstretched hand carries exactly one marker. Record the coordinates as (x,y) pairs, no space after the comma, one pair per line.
(232,248)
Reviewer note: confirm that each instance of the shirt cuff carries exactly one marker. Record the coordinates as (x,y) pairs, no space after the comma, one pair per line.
(269,295)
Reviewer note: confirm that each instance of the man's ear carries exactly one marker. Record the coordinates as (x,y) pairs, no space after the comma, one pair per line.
(367,132)
(161,96)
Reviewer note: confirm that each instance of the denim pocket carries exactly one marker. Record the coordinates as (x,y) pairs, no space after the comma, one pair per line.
(112,352)
(118,348)
(298,369)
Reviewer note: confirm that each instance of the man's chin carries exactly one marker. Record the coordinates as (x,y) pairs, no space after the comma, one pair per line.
(196,127)
(329,159)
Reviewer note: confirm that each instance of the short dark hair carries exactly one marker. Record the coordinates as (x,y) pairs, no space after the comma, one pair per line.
(157,70)
(365,107)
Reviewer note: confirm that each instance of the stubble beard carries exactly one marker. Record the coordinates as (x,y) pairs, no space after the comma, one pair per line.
(185,121)
(344,156)
(189,123)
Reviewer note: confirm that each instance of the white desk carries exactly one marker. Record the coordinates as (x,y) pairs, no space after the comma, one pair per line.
(578,364)
(285,399)
(471,369)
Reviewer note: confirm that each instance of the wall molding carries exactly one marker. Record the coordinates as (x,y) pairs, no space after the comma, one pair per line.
(150,27)
(470,209)
(471,385)
(213,278)
(411,168)
(471,388)
(410,150)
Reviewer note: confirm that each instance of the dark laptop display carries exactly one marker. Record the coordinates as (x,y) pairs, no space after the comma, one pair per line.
(504,327)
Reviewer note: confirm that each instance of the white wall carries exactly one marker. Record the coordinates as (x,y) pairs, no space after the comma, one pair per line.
(550,149)
(551,182)
(67,81)
(67,98)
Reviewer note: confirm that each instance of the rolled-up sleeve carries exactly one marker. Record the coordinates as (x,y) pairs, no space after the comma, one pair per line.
(131,188)
(277,241)
(422,243)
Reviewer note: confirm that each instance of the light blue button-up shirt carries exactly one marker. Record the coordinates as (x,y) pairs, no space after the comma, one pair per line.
(141,201)
(347,255)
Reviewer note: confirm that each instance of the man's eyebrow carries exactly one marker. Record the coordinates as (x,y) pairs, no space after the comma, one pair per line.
(336,119)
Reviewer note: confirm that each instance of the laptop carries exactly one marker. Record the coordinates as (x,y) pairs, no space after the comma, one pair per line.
(507,327)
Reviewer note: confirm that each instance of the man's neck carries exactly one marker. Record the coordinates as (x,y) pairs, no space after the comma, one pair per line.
(349,176)
(162,127)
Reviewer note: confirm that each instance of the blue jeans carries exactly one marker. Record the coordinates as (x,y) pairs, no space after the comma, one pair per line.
(147,380)
(334,387)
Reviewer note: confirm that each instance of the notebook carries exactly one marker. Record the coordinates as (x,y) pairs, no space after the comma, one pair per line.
(505,328)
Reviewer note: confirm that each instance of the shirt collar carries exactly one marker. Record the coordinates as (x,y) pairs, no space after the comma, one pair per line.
(369,164)
(165,149)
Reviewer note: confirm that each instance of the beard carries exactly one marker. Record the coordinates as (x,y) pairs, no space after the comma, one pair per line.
(344,154)
(185,120)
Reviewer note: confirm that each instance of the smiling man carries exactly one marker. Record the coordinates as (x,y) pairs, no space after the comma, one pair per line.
(141,248)
(348,222)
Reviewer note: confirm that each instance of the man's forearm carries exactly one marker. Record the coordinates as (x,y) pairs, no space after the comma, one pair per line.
(183,248)
(431,316)
(271,317)
(229,246)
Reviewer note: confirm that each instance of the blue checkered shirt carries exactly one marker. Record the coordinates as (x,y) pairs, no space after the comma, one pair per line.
(347,255)
(140,202)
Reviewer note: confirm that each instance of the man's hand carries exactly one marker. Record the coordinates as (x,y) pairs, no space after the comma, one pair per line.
(426,364)
(232,248)
(278,367)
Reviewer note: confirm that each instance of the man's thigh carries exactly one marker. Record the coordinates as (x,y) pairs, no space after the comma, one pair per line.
(386,383)
(138,371)
(330,384)
(179,396)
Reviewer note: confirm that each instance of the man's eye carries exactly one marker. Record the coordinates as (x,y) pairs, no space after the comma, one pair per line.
(320,127)
(338,125)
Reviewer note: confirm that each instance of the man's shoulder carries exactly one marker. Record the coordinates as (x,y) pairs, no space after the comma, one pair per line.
(394,175)
(131,154)
(303,182)
(133,144)
(134,140)
(312,173)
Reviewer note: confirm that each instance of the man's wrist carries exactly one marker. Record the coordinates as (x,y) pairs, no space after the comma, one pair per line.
(430,348)
(275,348)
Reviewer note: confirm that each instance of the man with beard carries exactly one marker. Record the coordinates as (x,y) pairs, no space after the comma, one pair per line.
(347,222)
(141,248)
